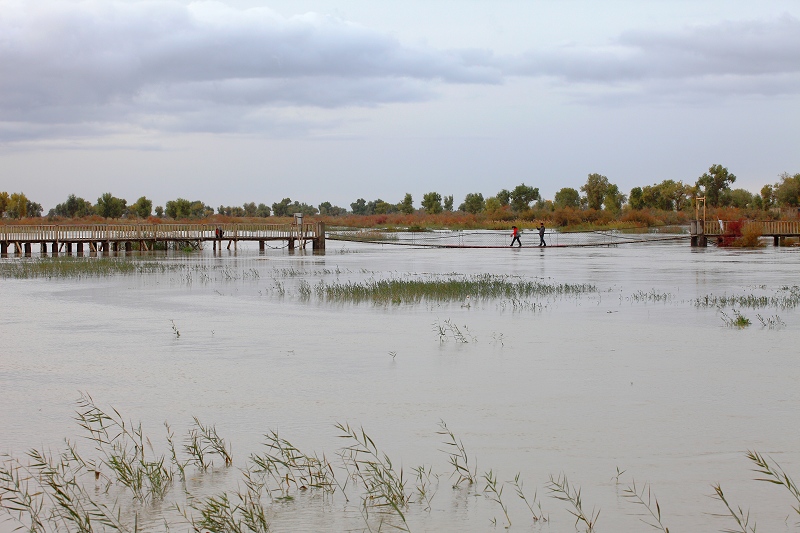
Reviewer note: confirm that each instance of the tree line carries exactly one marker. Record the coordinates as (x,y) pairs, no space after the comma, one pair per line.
(598,193)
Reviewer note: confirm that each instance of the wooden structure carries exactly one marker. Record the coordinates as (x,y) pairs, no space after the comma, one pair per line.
(701,230)
(106,238)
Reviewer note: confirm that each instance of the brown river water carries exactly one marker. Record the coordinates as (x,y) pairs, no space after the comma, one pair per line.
(633,376)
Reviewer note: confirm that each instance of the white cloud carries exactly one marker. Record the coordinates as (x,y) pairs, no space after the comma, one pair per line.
(89,68)
(157,62)
(724,59)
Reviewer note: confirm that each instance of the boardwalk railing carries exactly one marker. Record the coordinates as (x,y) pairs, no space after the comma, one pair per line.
(166,232)
(114,237)
(774,228)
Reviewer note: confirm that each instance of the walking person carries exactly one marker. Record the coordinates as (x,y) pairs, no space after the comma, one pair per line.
(541,235)
(515,236)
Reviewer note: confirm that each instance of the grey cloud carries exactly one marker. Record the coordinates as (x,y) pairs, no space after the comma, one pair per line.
(63,62)
(731,58)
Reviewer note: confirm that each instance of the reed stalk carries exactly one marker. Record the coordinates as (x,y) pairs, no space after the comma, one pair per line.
(560,489)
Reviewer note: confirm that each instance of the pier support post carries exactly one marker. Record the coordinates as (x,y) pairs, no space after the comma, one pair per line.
(291,244)
(3,248)
(319,240)
(128,246)
(261,246)
(776,241)
(68,246)
(79,248)
(28,249)
(44,248)
(697,232)
(55,249)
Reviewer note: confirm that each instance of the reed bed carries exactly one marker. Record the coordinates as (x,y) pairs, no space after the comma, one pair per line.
(448,289)
(45,492)
(75,267)
(786,298)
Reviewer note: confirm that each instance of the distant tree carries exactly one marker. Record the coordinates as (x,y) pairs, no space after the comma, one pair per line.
(448,203)
(787,191)
(613,199)
(142,207)
(567,197)
(767,196)
(34,209)
(281,209)
(740,198)
(522,196)
(504,197)
(379,207)
(182,208)
(328,209)
(359,207)
(262,211)
(3,203)
(635,200)
(493,205)
(432,203)
(250,209)
(407,205)
(595,190)
(713,182)
(159,211)
(17,205)
(109,206)
(74,207)
(473,203)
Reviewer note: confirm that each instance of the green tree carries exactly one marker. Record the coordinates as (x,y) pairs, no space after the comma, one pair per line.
(432,203)
(713,182)
(182,208)
(635,199)
(767,196)
(522,196)
(493,205)
(504,197)
(142,207)
(262,211)
(448,203)
(359,207)
(740,198)
(17,205)
(74,207)
(159,211)
(328,209)
(281,209)
(567,197)
(34,209)
(613,199)
(250,209)
(787,191)
(407,205)
(109,206)
(595,190)
(473,203)
(3,202)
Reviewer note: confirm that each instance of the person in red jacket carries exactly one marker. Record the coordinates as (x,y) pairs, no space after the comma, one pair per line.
(515,236)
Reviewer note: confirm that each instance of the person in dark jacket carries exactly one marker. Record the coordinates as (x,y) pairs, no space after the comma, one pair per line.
(541,235)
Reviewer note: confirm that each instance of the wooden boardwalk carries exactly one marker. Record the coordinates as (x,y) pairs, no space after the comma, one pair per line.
(106,238)
(777,229)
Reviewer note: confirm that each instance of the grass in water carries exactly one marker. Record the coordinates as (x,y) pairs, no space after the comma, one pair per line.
(560,489)
(45,492)
(737,321)
(454,289)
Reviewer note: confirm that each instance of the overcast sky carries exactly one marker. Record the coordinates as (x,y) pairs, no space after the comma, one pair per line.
(255,100)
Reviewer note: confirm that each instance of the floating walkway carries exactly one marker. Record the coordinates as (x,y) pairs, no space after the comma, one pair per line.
(108,238)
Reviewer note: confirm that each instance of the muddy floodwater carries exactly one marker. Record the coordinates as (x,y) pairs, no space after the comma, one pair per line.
(639,372)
